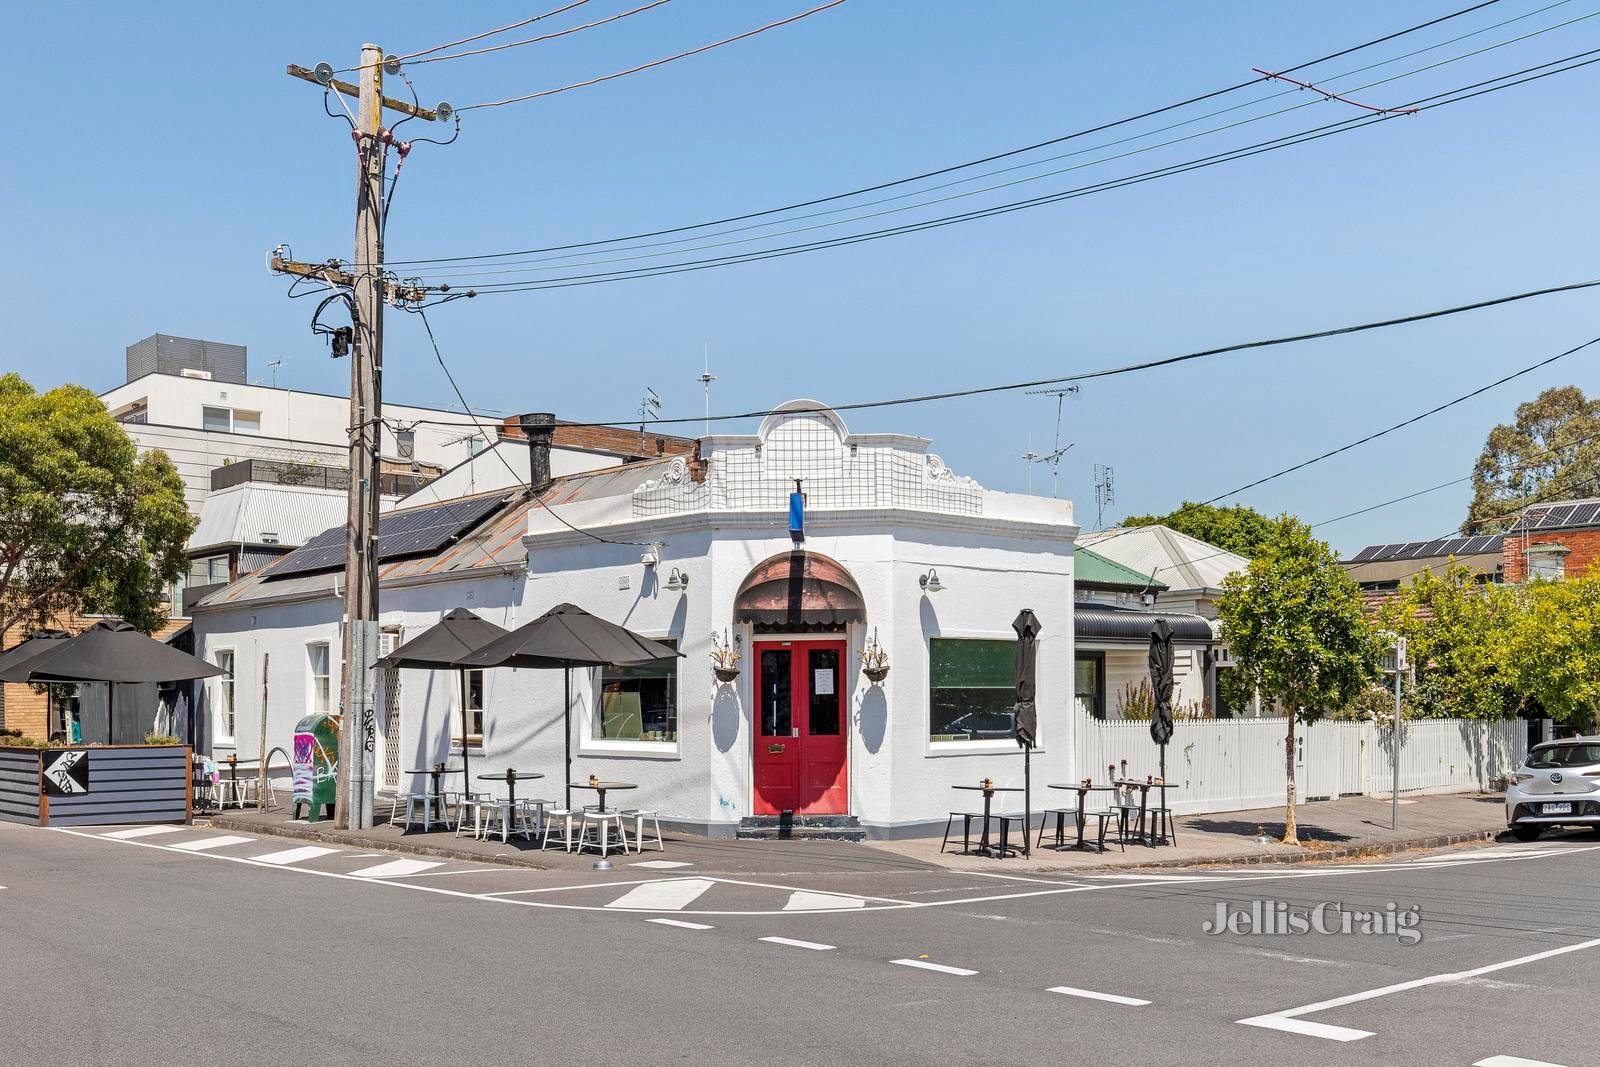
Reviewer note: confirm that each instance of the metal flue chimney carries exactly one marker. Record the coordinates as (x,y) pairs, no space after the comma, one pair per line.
(538,427)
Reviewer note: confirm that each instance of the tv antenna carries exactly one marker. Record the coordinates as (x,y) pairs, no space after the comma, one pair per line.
(705,380)
(273,367)
(1105,493)
(1053,457)
(649,408)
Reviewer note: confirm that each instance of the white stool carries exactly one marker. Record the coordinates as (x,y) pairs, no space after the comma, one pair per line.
(565,816)
(473,803)
(230,791)
(430,805)
(511,817)
(394,806)
(602,822)
(639,815)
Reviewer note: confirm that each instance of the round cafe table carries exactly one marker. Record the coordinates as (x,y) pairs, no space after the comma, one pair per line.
(601,787)
(510,777)
(436,772)
(988,792)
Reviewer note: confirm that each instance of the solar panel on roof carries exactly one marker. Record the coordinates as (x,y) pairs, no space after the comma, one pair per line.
(1587,515)
(1428,548)
(1557,516)
(407,533)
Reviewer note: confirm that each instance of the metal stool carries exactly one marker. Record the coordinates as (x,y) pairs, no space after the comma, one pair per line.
(602,823)
(1061,814)
(1161,825)
(639,815)
(1005,832)
(966,818)
(512,819)
(430,805)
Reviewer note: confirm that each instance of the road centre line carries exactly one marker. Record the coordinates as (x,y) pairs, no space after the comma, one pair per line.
(1021,878)
(585,885)
(1090,994)
(815,946)
(941,968)
(678,922)
(1275,1020)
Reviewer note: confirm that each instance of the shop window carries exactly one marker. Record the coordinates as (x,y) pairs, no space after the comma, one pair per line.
(971,689)
(639,703)
(1089,683)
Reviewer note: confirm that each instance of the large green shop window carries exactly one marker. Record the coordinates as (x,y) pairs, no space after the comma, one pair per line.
(639,703)
(971,689)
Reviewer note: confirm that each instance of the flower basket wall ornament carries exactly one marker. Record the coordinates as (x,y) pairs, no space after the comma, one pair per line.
(874,660)
(724,658)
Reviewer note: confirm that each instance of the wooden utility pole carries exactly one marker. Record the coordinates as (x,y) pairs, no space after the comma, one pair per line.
(353,799)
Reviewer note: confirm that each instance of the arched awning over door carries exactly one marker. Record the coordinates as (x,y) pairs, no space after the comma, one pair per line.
(799,589)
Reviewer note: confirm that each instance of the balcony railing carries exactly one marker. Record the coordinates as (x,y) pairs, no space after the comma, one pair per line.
(316,475)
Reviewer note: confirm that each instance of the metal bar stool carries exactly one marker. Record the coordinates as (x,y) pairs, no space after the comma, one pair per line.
(966,818)
(602,822)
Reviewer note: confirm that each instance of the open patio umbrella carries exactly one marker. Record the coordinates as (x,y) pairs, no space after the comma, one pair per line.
(1027,626)
(1161,684)
(110,651)
(443,646)
(564,637)
(38,643)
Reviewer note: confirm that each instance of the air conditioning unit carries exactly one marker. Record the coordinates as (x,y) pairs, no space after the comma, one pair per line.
(190,372)
(269,538)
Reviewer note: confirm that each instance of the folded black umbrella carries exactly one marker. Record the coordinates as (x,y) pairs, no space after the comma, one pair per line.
(1027,626)
(1161,681)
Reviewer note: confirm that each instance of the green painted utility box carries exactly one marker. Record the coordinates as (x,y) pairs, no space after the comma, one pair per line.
(315,765)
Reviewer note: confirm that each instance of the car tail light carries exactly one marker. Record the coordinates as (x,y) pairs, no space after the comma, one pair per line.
(1592,774)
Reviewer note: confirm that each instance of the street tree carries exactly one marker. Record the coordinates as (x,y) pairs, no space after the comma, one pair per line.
(1556,647)
(1550,451)
(86,524)
(1295,625)
(1458,635)
(1238,528)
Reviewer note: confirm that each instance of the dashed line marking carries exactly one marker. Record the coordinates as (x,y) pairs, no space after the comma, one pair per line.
(941,968)
(210,842)
(395,869)
(295,855)
(679,922)
(815,946)
(1110,998)
(143,831)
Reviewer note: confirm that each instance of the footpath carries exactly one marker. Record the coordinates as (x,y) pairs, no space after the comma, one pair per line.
(1347,829)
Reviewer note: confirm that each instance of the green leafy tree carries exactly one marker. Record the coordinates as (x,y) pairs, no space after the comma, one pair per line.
(1238,528)
(1458,634)
(1556,647)
(1550,451)
(1295,624)
(86,524)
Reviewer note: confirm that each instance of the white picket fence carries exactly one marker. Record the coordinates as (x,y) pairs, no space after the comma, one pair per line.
(1237,764)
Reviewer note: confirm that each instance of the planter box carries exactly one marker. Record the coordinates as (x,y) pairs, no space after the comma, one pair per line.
(105,785)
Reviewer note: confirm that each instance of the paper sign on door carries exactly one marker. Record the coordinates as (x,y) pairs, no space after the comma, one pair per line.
(822,685)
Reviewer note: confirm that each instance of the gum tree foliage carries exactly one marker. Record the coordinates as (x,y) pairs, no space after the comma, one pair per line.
(1297,629)
(86,524)
(1238,529)
(1550,451)
(1458,637)
(1556,647)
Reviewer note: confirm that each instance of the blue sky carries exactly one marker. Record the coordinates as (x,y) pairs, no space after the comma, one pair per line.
(156,153)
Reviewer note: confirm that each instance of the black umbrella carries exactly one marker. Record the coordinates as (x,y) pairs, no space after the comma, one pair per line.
(1027,626)
(38,643)
(443,646)
(1161,683)
(562,638)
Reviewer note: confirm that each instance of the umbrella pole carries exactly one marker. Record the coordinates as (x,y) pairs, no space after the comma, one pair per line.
(566,723)
(466,768)
(1165,814)
(1027,800)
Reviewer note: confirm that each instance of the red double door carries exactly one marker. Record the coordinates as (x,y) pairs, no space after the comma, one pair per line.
(800,728)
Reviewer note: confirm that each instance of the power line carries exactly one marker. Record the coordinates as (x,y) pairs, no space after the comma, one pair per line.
(543,37)
(1406,422)
(654,62)
(989,158)
(490,33)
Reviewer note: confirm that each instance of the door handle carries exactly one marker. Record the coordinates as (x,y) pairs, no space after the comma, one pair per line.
(774,749)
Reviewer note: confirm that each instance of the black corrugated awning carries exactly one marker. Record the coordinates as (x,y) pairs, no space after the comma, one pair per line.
(1096,622)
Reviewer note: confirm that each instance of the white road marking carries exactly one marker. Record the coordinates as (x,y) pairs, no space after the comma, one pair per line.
(792,943)
(669,922)
(210,842)
(295,855)
(144,831)
(661,864)
(395,869)
(1020,878)
(805,900)
(1288,1019)
(1513,1061)
(674,895)
(941,968)
(1092,995)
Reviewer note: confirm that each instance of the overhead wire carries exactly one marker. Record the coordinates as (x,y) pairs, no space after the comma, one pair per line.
(490,33)
(543,37)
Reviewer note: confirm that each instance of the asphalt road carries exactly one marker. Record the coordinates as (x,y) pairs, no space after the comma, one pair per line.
(262,950)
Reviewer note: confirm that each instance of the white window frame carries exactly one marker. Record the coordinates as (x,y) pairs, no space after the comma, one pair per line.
(226,684)
(936,749)
(474,716)
(590,745)
(312,676)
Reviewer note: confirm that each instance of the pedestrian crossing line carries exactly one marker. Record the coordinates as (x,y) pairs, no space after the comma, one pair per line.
(211,842)
(661,864)
(1090,994)
(143,831)
(806,900)
(674,895)
(1513,1061)
(814,946)
(941,968)
(395,869)
(295,855)
(680,923)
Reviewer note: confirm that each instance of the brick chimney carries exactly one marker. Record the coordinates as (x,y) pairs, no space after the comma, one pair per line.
(537,427)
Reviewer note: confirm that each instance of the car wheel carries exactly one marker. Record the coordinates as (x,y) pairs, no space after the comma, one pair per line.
(1527,833)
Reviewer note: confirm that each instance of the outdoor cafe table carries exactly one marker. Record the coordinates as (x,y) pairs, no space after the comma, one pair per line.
(233,761)
(1083,792)
(1144,788)
(436,772)
(601,787)
(510,777)
(988,792)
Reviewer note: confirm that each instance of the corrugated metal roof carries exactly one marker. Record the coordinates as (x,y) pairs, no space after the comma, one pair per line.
(1183,562)
(252,513)
(1098,622)
(1091,568)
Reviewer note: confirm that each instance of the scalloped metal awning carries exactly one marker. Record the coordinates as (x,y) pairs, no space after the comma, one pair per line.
(797,589)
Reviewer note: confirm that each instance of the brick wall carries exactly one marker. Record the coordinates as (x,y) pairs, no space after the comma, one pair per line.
(1583,548)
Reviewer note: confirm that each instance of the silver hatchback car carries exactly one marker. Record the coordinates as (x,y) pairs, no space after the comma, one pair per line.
(1557,785)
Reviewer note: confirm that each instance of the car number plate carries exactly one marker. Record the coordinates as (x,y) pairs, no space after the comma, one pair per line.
(1556,809)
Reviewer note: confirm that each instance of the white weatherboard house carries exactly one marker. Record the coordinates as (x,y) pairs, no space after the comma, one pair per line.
(897,549)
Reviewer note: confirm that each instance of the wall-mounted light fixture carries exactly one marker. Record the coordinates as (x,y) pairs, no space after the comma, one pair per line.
(651,556)
(677,580)
(930,582)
